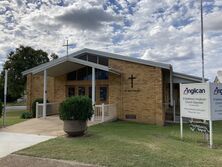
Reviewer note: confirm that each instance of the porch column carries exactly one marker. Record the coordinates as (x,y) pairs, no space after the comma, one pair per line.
(93,89)
(44,94)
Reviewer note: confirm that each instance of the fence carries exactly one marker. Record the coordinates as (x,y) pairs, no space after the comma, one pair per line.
(104,112)
(51,109)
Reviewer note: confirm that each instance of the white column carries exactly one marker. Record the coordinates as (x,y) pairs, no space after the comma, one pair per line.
(93,89)
(45,94)
(103,112)
(181,127)
(37,109)
(211,133)
(5,96)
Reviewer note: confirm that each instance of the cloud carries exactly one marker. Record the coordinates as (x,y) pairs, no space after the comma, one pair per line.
(213,21)
(87,18)
(167,31)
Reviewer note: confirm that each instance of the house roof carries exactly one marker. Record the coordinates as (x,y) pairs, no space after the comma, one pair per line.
(71,58)
(218,78)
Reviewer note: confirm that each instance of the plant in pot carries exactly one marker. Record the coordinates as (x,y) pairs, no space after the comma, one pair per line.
(75,111)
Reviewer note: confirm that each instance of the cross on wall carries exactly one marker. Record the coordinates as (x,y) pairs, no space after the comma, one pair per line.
(132,78)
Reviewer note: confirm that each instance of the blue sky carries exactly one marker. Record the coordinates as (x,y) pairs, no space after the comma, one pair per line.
(166,31)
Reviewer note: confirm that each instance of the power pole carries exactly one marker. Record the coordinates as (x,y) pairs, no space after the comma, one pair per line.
(202,40)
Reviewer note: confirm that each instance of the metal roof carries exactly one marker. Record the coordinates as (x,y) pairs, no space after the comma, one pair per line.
(71,58)
(120,57)
(65,65)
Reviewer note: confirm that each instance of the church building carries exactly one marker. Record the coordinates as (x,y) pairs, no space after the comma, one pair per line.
(142,91)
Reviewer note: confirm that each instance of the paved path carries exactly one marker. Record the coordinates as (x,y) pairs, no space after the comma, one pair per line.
(27,161)
(11,142)
(28,133)
(51,126)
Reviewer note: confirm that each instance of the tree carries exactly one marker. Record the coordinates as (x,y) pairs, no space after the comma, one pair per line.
(22,59)
(54,56)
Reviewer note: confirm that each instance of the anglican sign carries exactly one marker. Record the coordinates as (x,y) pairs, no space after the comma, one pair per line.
(201,101)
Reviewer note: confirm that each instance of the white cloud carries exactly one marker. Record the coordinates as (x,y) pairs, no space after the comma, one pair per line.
(165,30)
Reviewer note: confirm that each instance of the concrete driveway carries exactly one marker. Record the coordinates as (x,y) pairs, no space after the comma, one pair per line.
(11,142)
(51,126)
(30,132)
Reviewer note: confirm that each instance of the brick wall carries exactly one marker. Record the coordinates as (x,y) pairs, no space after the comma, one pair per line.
(145,99)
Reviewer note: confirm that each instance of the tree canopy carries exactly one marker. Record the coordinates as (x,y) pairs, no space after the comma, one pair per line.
(21,59)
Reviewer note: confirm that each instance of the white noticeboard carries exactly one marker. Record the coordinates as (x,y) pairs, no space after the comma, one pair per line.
(201,101)
(216,102)
(195,101)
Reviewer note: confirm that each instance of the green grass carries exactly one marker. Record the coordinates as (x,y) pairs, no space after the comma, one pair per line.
(13,117)
(130,144)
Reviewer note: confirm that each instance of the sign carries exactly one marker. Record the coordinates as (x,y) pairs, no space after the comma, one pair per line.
(216,101)
(194,101)
(201,101)
(199,127)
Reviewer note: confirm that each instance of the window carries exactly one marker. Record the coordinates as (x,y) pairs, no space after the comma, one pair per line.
(81,91)
(71,76)
(85,73)
(90,93)
(103,61)
(92,58)
(82,57)
(71,91)
(101,75)
(103,93)
(82,74)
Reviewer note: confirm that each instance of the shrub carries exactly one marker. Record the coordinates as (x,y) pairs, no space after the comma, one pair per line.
(1,108)
(76,108)
(39,100)
(26,115)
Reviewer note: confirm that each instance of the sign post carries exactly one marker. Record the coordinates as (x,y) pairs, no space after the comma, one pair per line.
(201,101)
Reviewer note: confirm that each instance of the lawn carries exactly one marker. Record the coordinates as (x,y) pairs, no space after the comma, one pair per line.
(13,117)
(121,143)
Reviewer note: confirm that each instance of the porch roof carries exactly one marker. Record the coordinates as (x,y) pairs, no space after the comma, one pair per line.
(65,65)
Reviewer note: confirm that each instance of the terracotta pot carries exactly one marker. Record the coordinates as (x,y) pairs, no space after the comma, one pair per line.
(75,127)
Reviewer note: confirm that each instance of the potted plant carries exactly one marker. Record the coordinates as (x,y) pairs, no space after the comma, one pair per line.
(75,111)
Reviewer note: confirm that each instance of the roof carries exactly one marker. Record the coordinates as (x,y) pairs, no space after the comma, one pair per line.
(71,58)
(188,77)
(99,53)
(120,57)
(218,78)
(65,64)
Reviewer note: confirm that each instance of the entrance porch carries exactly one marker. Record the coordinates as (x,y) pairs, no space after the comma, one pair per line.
(72,77)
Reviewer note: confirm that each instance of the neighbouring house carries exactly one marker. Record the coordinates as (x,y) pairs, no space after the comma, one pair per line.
(218,78)
(143,91)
